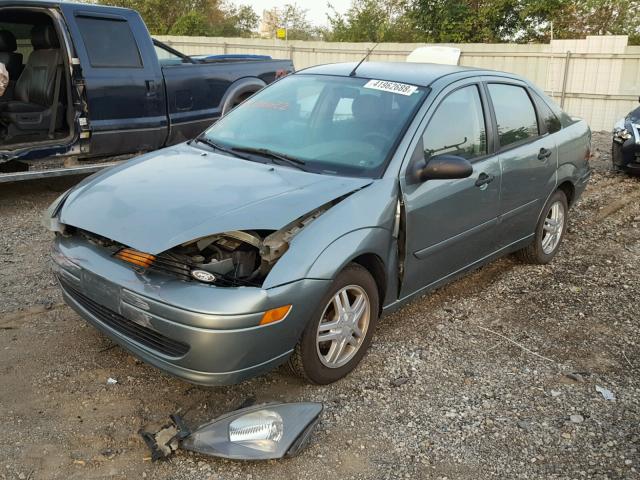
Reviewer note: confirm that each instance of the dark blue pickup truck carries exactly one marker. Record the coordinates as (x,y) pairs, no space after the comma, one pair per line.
(88,81)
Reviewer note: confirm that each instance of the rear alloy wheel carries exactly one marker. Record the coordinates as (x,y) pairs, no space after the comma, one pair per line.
(549,231)
(337,337)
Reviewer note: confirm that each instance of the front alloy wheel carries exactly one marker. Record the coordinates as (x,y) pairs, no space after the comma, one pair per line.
(338,335)
(343,326)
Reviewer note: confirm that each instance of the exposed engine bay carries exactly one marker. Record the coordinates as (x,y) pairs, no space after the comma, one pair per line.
(229,259)
(242,257)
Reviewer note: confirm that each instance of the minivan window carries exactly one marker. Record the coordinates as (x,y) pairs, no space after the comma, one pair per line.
(121,51)
(515,114)
(457,127)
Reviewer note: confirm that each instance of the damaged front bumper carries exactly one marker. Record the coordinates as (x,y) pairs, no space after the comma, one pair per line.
(625,153)
(203,334)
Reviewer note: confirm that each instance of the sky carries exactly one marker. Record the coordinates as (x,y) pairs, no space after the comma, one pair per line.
(316,9)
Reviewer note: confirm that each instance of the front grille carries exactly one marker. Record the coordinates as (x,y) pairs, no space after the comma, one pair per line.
(167,263)
(172,265)
(126,327)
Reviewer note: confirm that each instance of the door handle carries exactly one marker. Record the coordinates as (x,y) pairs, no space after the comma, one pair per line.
(151,87)
(484,179)
(544,154)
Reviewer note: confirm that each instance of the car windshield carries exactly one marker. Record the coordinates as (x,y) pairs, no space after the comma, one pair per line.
(335,125)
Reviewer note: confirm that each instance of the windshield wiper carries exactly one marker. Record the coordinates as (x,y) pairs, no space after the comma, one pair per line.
(217,146)
(293,161)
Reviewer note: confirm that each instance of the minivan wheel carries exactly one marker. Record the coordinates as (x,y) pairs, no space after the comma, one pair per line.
(339,333)
(549,231)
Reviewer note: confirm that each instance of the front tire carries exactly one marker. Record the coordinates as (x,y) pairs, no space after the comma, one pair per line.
(549,231)
(339,333)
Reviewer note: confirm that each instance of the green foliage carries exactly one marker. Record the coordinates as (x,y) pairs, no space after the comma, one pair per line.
(193,17)
(294,19)
(372,21)
(192,23)
(445,21)
(438,21)
(239,21)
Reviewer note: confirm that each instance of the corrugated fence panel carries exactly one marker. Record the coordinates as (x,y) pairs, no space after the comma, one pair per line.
(602,79)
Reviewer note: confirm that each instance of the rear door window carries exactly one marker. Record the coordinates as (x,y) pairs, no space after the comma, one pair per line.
(109,42)
(515,115)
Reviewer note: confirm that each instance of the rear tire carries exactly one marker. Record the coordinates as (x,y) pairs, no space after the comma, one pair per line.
(340,331)
(549,231)
(616,158)
(234,102)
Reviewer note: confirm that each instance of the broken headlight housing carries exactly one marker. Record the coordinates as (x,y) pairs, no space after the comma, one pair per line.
(622,134)
(257,433)
(50,216)
(624,130)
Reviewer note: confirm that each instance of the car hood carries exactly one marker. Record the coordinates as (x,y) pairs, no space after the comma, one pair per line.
(182,193)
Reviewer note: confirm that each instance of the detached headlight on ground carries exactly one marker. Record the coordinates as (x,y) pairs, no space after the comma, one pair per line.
(257,433)
(263,432)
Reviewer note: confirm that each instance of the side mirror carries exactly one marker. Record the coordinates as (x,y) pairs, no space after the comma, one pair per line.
(445,167)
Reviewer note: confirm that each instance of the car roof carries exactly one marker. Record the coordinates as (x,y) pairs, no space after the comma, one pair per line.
(420,74)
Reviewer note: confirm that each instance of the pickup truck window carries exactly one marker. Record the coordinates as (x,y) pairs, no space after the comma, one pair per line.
(120,51)
(165,57)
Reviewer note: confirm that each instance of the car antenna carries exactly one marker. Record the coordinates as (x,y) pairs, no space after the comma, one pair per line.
(353,72)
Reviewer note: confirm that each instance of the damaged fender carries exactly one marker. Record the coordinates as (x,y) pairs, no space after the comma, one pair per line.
(362,225)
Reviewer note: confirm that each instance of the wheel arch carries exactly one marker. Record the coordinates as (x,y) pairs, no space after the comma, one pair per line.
(567,177)
(569,190)
(238,88)
(376,267)
(366,247)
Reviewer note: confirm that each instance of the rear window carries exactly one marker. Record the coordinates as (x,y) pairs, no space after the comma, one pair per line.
(548,117)
(109,43)
(515,114)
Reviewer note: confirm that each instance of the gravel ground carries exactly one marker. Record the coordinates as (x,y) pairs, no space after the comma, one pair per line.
(442,393)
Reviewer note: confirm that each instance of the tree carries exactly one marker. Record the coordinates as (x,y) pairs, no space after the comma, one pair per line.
(236,21)
(294,19)
(193,17)
(372,21)
(466,20)
(600,17)
(192,23)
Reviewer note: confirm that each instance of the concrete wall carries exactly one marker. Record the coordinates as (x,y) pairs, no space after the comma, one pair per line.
(599,79)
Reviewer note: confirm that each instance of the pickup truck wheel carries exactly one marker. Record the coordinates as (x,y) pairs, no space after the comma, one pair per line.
(549,231)
(339,334)
(236,101)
